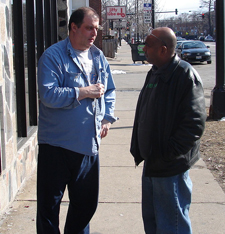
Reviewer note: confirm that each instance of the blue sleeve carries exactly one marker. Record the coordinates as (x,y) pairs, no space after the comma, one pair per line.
(52,91)
(110,96)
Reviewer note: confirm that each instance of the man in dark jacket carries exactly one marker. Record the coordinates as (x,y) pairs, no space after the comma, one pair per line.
(169,123)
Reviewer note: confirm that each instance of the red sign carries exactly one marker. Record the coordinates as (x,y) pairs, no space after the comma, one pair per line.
(116,12)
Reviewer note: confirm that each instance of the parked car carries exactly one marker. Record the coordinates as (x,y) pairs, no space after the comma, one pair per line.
(209,38)
(191,37)
(180,39)
(179,43)
(201,38)
(194,51)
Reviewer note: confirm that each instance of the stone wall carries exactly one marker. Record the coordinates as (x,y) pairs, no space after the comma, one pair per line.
(62,19)
(16,163)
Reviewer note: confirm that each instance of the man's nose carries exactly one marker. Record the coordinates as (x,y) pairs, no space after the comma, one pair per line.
(95,32)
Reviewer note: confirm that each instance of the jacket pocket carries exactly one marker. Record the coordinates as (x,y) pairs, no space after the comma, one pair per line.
(73,79)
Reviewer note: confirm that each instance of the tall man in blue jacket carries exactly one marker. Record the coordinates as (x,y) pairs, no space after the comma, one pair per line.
(169,122)
(77,98)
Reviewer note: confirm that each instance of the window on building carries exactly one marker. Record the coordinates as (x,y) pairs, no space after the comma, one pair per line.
(34,29)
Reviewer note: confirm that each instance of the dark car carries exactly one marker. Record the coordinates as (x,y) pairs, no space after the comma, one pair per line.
(178,44)
(201,38)
(191,37)
(194,51)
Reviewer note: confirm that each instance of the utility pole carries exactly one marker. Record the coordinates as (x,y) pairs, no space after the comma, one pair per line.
(119,27)
(137,23)
(217,107)
(153,13)
(135,11)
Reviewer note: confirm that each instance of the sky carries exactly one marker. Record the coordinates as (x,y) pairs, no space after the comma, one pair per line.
(183,6)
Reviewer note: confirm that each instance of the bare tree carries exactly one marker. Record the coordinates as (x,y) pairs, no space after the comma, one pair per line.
(209,4)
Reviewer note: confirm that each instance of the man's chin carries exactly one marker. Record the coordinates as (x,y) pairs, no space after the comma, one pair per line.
(88,46)
(90,43)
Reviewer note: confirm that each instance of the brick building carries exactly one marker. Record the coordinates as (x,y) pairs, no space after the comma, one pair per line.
(26,29)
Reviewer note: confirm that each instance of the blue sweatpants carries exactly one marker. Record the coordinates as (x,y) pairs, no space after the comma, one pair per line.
(58,168)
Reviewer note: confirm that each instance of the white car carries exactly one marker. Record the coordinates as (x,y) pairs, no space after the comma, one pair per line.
(209,38)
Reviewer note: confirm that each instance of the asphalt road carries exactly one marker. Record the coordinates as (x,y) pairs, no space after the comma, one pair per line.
(208,71)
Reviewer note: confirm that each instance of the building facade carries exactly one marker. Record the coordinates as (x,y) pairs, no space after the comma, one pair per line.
(27,28)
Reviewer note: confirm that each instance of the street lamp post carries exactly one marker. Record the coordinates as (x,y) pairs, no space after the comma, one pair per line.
(217,107)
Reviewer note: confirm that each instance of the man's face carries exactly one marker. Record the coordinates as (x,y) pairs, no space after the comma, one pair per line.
(87,33)
(150,49)
(153,48)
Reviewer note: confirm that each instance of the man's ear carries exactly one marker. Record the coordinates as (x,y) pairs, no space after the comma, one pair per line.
(73,27)
(164,49)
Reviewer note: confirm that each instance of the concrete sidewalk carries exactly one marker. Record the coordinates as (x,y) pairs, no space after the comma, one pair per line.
(119,210)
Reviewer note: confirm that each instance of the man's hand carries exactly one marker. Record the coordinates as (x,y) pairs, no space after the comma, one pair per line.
(92,91)
(105,128)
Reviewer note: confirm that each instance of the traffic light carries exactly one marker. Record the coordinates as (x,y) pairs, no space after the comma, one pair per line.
(203,15)
(176,11)
(128,26)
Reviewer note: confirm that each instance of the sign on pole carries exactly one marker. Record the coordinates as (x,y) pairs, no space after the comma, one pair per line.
(115,12)
(147,6)
(147,17)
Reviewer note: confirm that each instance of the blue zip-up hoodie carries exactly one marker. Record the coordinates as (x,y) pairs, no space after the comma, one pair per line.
(63,120)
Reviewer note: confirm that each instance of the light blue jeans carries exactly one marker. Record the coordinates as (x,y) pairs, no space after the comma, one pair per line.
(165,204)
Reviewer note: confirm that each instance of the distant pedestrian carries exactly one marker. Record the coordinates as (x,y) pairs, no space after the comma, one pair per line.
(169,122)
(77,98)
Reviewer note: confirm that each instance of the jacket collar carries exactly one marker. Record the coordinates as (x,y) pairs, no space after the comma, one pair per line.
(166,71)
(95,54)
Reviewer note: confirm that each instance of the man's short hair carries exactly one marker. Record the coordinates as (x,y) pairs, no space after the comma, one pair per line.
(78,16)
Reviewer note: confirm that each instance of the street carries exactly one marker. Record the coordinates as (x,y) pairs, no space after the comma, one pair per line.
(208,71)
